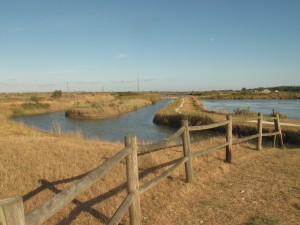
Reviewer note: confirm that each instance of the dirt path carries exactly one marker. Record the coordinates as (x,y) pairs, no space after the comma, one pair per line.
(188,104)
(181,105)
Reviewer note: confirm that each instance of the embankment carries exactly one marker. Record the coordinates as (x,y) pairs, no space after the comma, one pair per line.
(183,108)
(111,109)
(76,105)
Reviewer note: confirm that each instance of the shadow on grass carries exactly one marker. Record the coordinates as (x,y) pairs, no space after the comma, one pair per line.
(261,220)
(88,205)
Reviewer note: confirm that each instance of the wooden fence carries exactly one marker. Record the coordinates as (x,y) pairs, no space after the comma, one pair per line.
(12,211)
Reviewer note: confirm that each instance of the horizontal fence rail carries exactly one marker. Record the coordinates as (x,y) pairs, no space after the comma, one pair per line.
(260,133)
(270,134)
(12,208)
(153,182)
(210,150)
(60,200)
(142,149)
(240,140)
(245,119)
(207,127)
(227,144)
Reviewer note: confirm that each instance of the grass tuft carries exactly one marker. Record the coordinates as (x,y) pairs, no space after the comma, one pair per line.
(258,220)
(244,112)
(297,206)
(17,112)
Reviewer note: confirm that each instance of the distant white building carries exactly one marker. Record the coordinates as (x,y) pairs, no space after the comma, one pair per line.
(266,91)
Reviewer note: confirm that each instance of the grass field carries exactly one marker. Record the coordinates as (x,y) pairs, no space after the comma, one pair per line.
(259,187)
(246,95)
(85,105)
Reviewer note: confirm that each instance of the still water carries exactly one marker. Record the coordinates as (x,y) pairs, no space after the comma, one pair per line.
(137,123)
(291,108)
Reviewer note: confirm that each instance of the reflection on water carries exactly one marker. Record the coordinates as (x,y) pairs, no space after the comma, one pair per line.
(137,123)
(291,108)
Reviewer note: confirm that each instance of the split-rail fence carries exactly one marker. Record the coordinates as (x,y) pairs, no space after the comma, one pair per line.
(12,211)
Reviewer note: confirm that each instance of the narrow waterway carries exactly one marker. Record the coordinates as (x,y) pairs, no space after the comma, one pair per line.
(289,107)
(114,129)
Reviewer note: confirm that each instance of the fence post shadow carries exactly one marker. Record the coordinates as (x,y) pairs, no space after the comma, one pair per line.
(80,206)
(87,206)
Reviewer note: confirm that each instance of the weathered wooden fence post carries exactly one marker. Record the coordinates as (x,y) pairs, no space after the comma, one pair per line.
(278,129)
(133,180)
(229,139)
(187,151)
(259,128)
(12,211)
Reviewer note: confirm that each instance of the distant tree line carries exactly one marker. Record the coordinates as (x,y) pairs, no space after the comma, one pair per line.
(277,88)
(285,88)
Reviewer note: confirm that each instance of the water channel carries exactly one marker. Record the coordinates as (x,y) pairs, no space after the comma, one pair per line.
(291,108)
(114,129)
(140,123)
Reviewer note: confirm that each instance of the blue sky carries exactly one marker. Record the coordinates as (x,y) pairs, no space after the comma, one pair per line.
(172,45)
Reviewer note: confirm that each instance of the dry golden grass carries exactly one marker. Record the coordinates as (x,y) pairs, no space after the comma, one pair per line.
(12,103)
(263,184)
(36,165)
(93,97)
(258,184)
(246,95)
(115,108)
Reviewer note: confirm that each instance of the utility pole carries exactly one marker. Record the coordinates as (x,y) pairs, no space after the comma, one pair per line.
(68,90)
(138,83)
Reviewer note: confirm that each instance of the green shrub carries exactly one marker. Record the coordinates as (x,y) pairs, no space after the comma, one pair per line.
(36,99)
(17,112)
(31,106)
(28,106)
(56,94)
(128,93)
(244,112)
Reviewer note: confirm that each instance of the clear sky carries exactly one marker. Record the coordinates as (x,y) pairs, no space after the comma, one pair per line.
(176,45)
